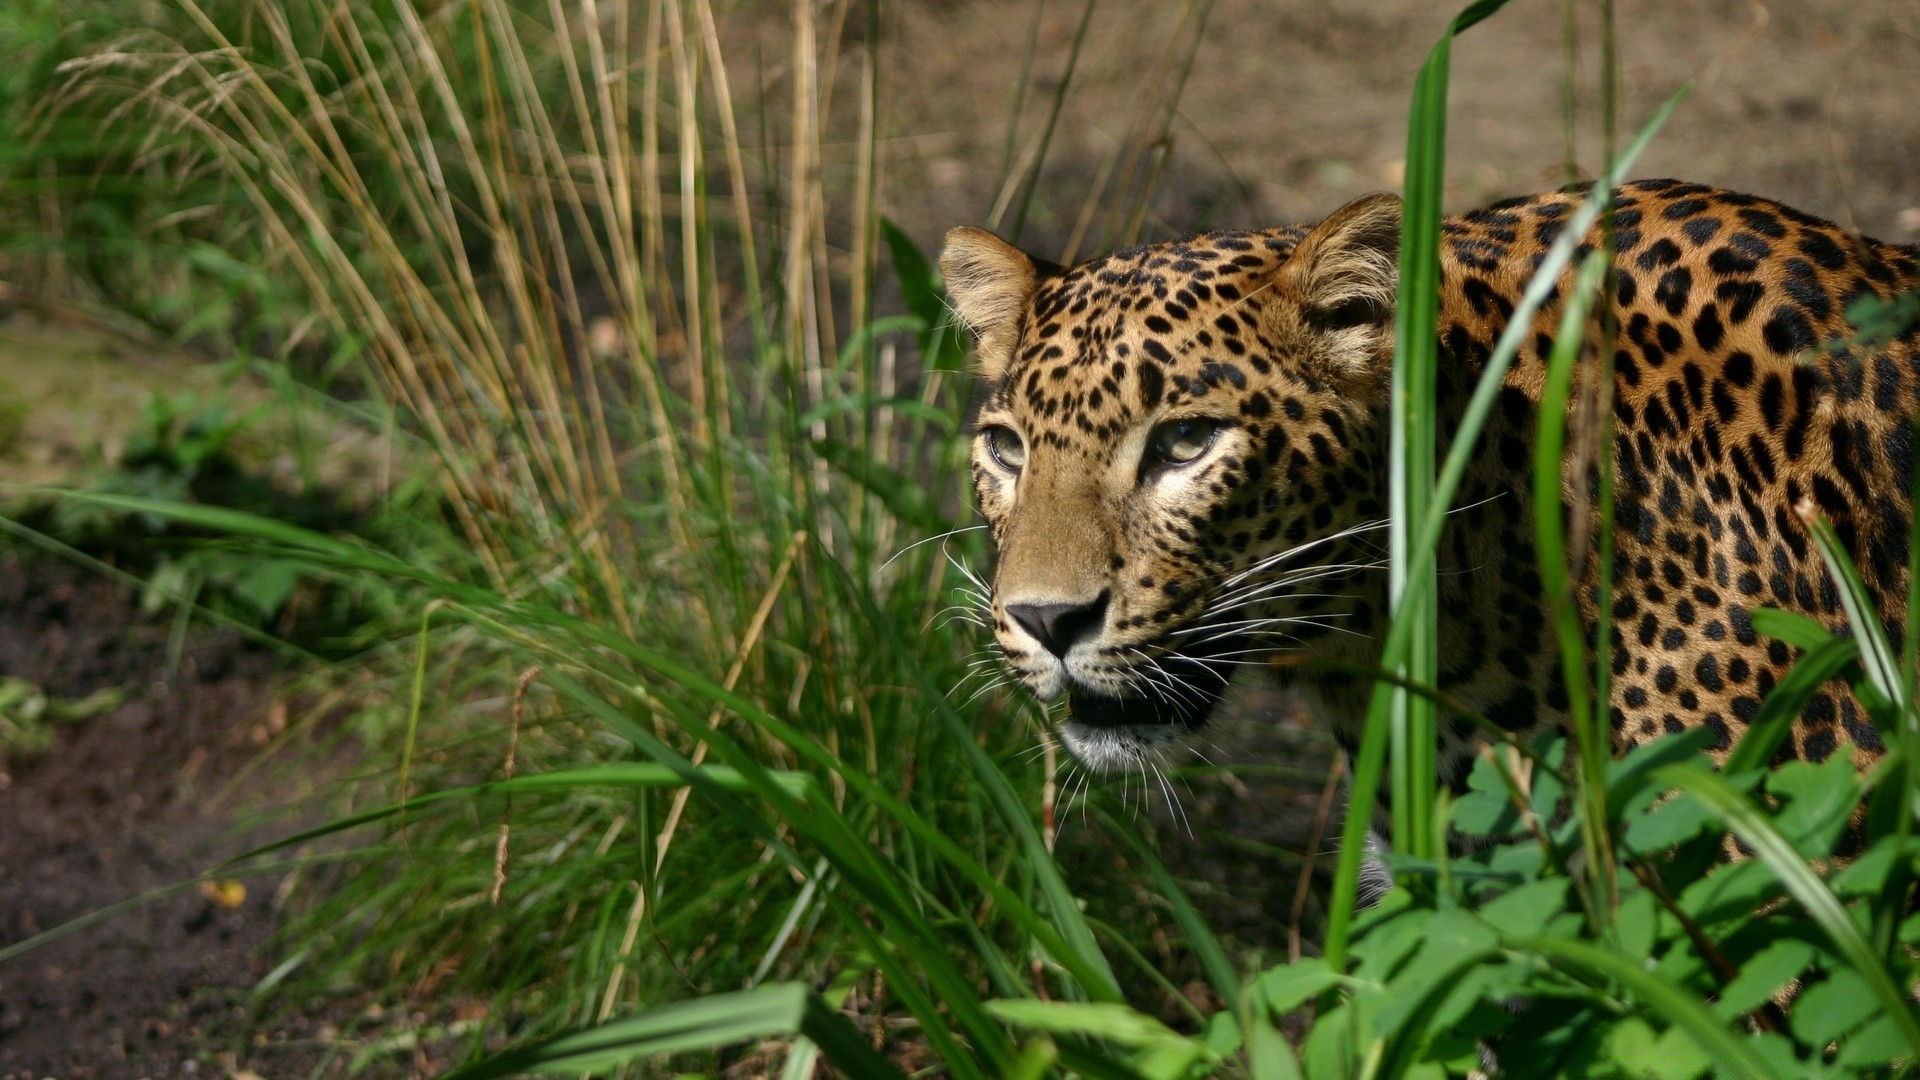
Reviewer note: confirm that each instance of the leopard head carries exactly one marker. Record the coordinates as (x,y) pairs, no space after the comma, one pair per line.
(1175,451)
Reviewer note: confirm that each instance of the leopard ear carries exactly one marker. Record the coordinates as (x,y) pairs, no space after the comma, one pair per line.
(991,283)
(1345,277)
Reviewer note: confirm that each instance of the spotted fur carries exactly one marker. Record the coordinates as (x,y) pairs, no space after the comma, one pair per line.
(1132,580)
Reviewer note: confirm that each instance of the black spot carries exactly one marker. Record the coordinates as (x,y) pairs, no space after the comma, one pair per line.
(1152,384)
(1818,746)
(1821,249)
(1662,252)
(1788,333)
(1701,230)
(1707,671)
(1762,222)
(1738,369)
(1707,329)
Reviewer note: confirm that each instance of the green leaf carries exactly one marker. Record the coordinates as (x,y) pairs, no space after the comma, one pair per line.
(1486,809)
(1800,631)
(1269,1057)
(1638,924)
(1729,892)
(1829,1009)
(1634,1049)
(1816,801)
(1779,962)
(1528,908)
(1628,774)
(1877,1043)
(1385,943)
(1453,940)
(1284,989)
(1867,875)
(1161,1051)
(1665,824)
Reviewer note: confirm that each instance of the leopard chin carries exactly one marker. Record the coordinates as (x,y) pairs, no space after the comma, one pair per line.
(1111,734)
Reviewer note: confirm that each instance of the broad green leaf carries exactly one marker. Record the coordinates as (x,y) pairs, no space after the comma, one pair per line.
(1816,800)
(1877,1043)
(1385,944)
(1731,891)
(1284,989)
(1628,774)
(1269,1056)
(1486,809)
(1665,824)
(1638,925)
(1766,972)
(1634,1049)
(1528,908)
(1453,941)
(1867,875)
(1831,1008)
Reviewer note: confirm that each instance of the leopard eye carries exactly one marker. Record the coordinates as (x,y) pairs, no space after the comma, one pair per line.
(1006,446)
(1179,442)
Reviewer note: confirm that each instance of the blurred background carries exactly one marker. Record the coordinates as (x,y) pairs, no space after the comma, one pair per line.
(617,319)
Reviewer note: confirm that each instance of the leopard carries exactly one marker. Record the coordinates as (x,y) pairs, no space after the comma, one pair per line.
(1181,453)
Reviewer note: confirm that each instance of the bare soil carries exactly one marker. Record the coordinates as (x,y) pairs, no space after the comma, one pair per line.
(153,793)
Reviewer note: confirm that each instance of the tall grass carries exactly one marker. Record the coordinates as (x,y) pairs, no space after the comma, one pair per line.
(690,468)
(678,768)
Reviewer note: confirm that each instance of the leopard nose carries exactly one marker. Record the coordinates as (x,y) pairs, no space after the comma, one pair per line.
(1060,626)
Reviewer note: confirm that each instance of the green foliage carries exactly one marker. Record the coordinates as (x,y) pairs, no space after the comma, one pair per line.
(27,715)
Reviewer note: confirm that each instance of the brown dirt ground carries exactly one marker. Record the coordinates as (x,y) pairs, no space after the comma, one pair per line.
(1291,108)
(140,797)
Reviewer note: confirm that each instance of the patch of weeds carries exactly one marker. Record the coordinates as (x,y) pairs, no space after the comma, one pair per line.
(28,714)
(186,449)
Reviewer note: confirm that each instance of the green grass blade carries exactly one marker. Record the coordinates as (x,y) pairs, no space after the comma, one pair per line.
(783,1010)
(1590,732)
(1084,958)
(1782,706)
(615,774)
(1876,652)
(1370,761)
(1221,973)
(1800,880)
